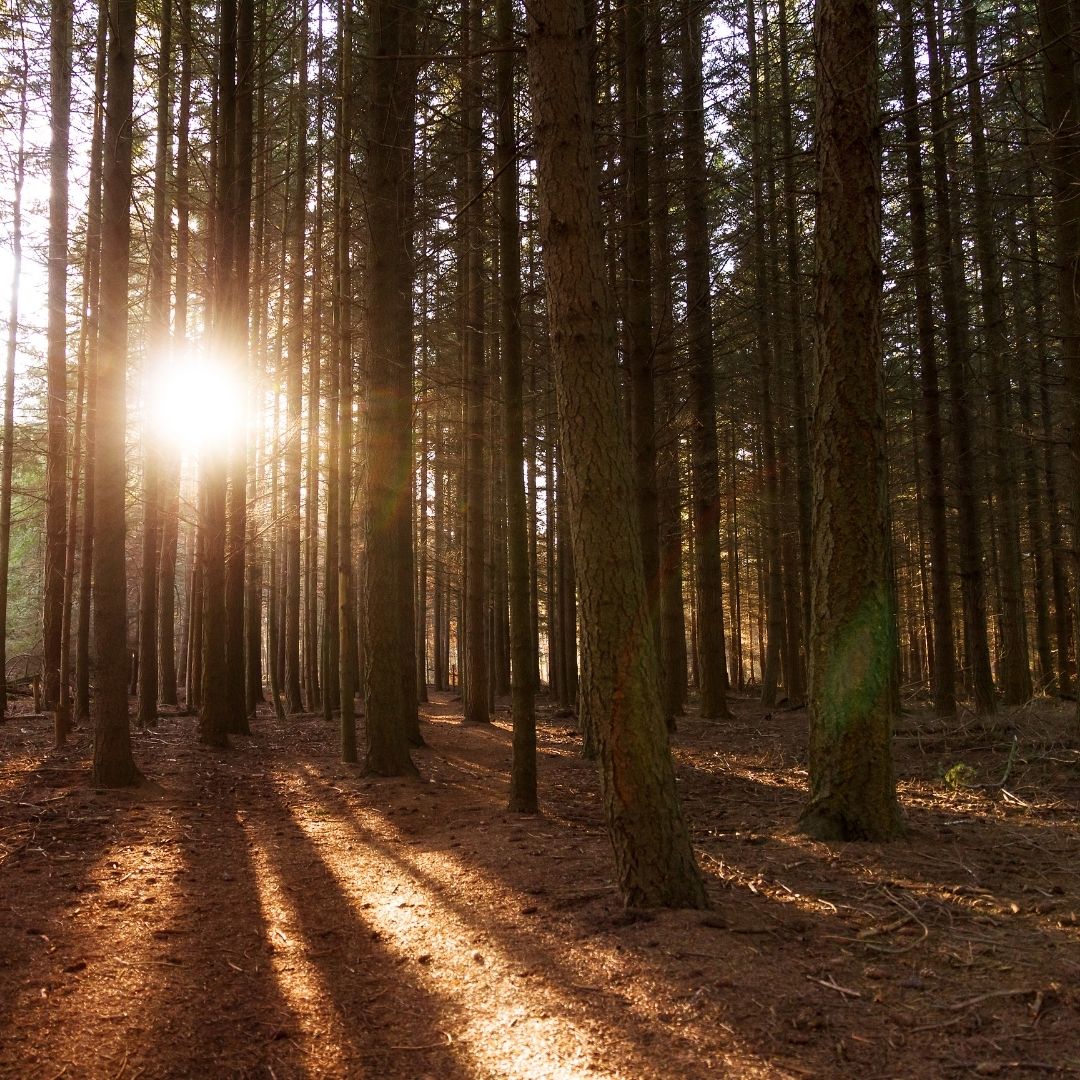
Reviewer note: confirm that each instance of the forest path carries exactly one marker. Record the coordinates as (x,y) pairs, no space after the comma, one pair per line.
(268,912)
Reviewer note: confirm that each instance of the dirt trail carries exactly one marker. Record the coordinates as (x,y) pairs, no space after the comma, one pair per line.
(268,912)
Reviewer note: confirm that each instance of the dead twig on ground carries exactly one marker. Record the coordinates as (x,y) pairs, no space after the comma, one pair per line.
(968,1002)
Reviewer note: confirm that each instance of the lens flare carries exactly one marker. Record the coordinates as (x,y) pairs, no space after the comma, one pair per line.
(195,403)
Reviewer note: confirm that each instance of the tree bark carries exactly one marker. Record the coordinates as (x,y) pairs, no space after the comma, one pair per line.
(60,31)
(1058,27)
(294,701)
(390,664)
(114,765)
(475,479)
(654,859)
(7,459)
(523,768)
(157,340)
(705,463)
(1014,670)
(853,631)
(944,672)
(239,210)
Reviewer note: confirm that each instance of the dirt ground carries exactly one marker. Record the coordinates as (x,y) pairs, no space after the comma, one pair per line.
(269,912)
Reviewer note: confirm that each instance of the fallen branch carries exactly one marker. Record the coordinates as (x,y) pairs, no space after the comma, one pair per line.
(831,984)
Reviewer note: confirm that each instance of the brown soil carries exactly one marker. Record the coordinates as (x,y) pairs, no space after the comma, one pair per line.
(268,912)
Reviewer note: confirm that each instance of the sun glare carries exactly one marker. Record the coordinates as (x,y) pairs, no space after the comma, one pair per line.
(196,403)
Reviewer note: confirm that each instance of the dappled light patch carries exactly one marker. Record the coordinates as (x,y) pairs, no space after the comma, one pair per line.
(105,952)
(528,1003)
(293,960)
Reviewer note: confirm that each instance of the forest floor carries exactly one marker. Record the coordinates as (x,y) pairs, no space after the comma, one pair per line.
(269,912)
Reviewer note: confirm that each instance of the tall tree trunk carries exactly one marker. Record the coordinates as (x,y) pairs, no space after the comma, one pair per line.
(60,30)
(637,271)
(523,768)
(476,666)
(944,673)
(157,340)
(390,665)
(668,487)
(1028,338)
(92,306)
(853,632)
(215,699)
(1058,26)
(763,362)
(295,384)
(314,418)
(957,353)
(114,765)
(170,465)
(708,576)
(330,654)
(7,460)
(1015,669)
(239,210)
(1060,677)
(621,696)
(346,613)
(795,318)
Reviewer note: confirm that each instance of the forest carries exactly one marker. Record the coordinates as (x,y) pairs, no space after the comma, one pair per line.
(539,539)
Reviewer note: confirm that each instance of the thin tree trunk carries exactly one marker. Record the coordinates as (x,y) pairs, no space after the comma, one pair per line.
(239,210)
(957,352)
(345,616)
(476,666)
(7,460)
(668,487)
(114,765)
(1015,670)
(91,312)
(944,673)
(215,699)
(637,272)
(170,466)
(763,362)
(795,318)
(523,768)
(157,337)
(708,576)
(294,702)
(60,31)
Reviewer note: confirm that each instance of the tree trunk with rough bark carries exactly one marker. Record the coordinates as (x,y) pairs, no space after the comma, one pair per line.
(944,670)
(621,695)
(60,60)
(705,462)
(389,645)
(523,767)
(114,765)
(853,632)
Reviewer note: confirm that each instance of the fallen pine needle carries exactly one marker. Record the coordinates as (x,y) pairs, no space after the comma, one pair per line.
(830,984)
(429,1046)
(990,994)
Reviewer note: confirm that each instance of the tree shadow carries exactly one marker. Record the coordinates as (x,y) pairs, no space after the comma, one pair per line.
(357,995)
(485,951)
(807,906)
